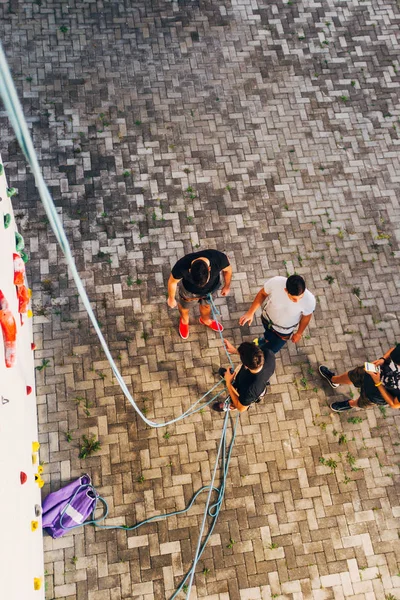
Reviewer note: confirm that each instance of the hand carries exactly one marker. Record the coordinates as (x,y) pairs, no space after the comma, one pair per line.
(376,377)
(296,337)
(228,376)
(379,362)
(171,302)
(230,347)
(225,290)
(246,318)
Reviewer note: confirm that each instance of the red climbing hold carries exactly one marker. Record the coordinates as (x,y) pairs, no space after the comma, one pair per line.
(23,477)
(28,390)
(33,346)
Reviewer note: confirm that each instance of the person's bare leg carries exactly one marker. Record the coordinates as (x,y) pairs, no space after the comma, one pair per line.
(343,378)
(205,312)
(184,312)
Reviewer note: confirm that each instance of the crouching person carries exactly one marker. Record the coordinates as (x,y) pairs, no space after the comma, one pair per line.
(248,383)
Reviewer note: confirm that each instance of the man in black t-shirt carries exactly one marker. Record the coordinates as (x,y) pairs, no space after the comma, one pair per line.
(196,275)
(248,382)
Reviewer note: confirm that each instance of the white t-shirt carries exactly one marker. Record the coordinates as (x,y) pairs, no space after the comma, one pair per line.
(281,310)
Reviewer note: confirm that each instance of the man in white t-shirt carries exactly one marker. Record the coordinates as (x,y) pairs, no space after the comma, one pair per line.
(289,306)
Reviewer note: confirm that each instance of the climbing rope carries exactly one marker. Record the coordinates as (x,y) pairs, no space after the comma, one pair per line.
(15,113)
(211,510)
(16,116)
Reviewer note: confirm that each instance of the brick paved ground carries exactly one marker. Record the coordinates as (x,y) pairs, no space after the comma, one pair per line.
(267,130)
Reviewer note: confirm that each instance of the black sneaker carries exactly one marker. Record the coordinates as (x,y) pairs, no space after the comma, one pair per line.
(341,406)
(222,407)
(327,374)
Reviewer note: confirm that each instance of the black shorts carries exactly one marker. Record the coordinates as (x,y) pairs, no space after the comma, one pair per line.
(369,393)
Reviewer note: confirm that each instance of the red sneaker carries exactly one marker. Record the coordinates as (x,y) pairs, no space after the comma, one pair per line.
(214,325)
(183,330)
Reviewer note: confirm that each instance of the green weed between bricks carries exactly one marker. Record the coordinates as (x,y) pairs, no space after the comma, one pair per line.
(90,445)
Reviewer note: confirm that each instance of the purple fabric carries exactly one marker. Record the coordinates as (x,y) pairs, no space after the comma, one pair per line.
(77,499)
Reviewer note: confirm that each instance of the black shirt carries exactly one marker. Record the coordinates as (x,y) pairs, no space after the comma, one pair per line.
(218,261)
(250,385)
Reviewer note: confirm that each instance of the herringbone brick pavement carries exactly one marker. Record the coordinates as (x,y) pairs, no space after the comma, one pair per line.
(269,131)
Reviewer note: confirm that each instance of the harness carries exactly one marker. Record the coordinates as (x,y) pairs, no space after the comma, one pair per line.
(269,324)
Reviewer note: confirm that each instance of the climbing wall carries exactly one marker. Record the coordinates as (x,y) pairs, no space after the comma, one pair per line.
(21,543)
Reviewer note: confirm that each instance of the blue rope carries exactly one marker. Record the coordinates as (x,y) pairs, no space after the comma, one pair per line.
(16,116)
(211,510)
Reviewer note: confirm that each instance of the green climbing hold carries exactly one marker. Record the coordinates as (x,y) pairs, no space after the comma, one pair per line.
(11,192)
(24,256)
(19,242)
(1,169)
(7,220)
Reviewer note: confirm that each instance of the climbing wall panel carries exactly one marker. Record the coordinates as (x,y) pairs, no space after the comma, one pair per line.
(21,543)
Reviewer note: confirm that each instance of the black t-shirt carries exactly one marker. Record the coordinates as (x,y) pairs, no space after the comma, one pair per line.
(250,385)
(218,261)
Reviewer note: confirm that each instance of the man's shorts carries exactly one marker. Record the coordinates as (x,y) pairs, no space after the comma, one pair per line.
(369,393)
(187,299)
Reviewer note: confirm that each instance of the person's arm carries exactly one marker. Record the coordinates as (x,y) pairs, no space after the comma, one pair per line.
(304,321)
(227,280)
(233,393)
(257,302)
(230,347)
(379,362)
(172,283)
(391,400)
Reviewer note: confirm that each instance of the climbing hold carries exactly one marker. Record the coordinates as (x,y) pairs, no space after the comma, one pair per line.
(24,256)
(19,269)
(23,295)
(33,346)
(37,583)
(34,525)
(39,480)
(23,477)
(38,510)
(9,330)
(29,314)
(35,446)
(40,469)
(1,169)
(11,192)
(34,459)
(19,241)
(7,220)
(28,391)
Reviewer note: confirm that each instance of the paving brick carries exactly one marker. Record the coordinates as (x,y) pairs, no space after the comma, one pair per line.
(282,120)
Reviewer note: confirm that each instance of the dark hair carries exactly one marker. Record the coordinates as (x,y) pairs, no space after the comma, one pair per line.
(295,285)
(395,354)
(251,355)
(199,272)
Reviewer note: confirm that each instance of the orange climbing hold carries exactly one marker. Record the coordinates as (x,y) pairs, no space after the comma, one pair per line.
(23,295)
(9,330)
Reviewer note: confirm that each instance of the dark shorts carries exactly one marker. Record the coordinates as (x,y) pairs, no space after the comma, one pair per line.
(369,394)
(187,299)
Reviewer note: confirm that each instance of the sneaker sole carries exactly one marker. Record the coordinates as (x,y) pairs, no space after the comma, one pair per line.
(340,410)
(333,385)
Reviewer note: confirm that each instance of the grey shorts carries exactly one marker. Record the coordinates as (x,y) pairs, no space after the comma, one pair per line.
(187,299)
